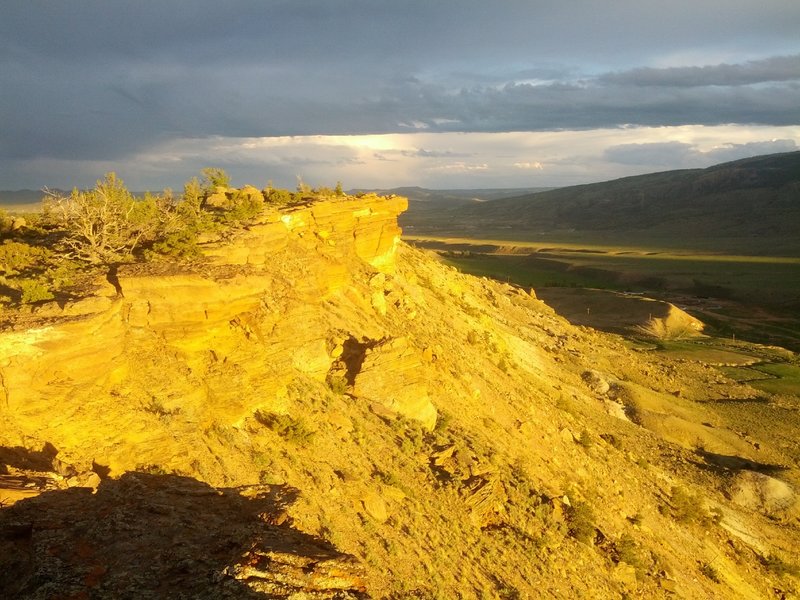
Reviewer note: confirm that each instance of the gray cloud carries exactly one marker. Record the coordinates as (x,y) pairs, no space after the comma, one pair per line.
(653,154)
(93,80)
(679,154)
(778,68)
(730,152)
(422,153)
(526,107)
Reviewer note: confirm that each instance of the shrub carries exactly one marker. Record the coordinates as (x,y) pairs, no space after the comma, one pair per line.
(288,427)
(104,224)
(6,222)
(688,508)
(708,571)
(777,565)
(18,256)
(337,384)
(244,207)
(585,439)
(182,222)
(278,196)
(156,407)
(668,328)
(628,551)
(443,421)
(580,520)
(214,177)
(34,290)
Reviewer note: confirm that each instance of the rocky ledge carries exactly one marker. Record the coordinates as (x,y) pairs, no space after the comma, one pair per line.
(217,340)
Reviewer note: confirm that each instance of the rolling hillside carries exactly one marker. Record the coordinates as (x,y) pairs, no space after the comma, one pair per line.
(752,203)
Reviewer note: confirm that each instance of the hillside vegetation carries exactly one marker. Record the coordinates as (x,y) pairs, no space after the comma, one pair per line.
(54,252)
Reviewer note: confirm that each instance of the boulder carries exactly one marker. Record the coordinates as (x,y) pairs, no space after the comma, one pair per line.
(375,507)
(762,493)
(392,374)
(595,382)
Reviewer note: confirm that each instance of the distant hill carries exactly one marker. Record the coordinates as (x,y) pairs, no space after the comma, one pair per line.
(432,202)
(732,202)
(20,196)
(434,207)
(455,196)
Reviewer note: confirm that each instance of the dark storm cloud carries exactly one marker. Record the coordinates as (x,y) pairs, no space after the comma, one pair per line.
(98,80)
(778,68)
(589,104)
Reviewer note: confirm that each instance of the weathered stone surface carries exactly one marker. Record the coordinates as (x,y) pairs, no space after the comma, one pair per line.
(204,343)
(366,229)
(485,499)
(375,506)
(393,374)
(762,493)
(625,574)
(595,381)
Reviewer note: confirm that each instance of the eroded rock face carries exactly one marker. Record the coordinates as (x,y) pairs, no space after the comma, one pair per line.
(392,374)
(763,493)
(203,344)
(334,230)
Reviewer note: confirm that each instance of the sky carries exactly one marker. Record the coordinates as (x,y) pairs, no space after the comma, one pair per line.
(384,93)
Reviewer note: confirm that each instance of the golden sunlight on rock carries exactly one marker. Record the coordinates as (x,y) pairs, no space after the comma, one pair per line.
(311,408)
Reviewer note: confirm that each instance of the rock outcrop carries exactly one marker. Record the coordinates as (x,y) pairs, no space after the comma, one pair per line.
(212,341)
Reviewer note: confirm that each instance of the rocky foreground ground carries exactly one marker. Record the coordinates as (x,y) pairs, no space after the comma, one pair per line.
(316,410)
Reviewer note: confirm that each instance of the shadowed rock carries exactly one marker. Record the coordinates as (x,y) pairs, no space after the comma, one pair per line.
(166,536)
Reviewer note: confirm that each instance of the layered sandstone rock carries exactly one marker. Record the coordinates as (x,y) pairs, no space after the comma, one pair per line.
(392,374)
(203,344)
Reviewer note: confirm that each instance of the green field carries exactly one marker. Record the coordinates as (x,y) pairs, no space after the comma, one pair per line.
(708,352)
(751,297)
(784,378)
(769,279)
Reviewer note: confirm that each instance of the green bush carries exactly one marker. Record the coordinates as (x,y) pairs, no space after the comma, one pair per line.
(214,177)
(34,290)
(290,428)
(277,196)
(580,522)
(628,552)
(688,508)
(585,439)
(244,207)
(708,571)
(777,565)
(18,256)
